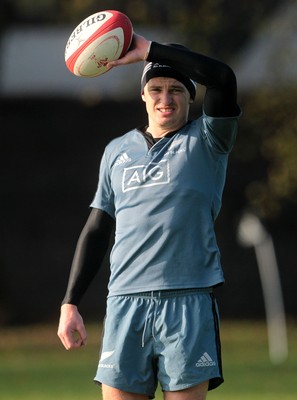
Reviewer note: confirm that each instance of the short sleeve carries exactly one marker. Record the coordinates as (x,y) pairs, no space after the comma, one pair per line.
(220,132)
(104,197)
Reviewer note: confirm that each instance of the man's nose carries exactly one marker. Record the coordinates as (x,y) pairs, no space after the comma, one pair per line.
(166,97)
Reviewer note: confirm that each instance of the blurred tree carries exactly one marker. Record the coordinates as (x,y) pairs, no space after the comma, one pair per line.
(269,133)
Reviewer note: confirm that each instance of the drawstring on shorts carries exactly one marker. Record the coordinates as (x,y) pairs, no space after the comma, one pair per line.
(153,302)
(145,323)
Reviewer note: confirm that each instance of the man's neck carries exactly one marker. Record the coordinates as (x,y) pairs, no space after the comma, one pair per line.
(158,133)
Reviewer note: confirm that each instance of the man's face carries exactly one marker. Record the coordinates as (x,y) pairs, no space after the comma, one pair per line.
(167,104)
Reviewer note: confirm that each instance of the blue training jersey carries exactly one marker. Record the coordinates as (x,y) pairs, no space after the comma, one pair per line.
(165,201)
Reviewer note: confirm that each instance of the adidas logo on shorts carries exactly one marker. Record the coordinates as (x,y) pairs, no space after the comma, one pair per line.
(205,361)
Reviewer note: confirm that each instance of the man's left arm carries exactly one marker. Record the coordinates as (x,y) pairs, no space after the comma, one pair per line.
(219,79)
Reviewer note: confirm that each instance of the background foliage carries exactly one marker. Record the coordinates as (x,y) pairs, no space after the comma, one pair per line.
(220,28)
(269,138)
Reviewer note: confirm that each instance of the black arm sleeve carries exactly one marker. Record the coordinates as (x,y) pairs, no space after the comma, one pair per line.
(221,88)
(91,248)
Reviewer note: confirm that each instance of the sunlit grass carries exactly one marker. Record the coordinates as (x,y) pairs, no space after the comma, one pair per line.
(35,366)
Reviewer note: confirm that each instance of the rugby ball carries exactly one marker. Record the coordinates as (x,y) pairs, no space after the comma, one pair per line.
(102,37)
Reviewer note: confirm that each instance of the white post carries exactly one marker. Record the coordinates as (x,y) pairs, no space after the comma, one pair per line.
(252,233)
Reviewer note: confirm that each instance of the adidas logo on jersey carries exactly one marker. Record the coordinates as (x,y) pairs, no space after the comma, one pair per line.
(122,159)
(205,361)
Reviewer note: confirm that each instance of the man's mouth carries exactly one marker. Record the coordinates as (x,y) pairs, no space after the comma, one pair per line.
(166,110)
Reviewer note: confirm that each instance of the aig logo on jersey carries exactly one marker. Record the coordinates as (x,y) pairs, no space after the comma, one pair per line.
(141,176)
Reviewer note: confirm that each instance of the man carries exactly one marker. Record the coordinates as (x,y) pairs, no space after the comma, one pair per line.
(161,186)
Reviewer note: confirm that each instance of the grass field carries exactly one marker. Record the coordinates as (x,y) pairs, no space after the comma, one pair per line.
(35,366)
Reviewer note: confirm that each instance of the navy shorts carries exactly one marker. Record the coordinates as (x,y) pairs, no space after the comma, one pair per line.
(170,337)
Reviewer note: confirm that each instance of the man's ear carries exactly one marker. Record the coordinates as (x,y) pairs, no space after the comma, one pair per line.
(143,96)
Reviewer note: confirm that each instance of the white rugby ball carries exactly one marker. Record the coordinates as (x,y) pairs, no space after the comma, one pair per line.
(102,37)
